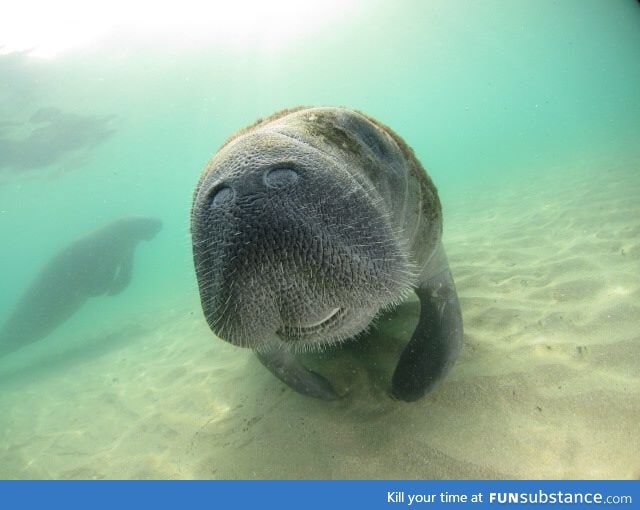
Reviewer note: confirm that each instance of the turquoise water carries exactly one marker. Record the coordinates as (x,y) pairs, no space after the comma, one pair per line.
(484,93)
(477,91)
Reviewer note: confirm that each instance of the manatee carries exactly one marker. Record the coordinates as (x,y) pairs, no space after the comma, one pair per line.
(97,263)
(306,226)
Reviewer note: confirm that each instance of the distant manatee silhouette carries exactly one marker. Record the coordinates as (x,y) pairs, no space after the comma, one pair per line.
(97,263)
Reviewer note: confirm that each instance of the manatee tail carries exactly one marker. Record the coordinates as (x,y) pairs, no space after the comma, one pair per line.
(7,349)
(7,346)
(18,333)
(12,338)
(35,317)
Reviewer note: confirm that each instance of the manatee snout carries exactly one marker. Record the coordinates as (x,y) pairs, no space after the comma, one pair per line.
(307,224)
(289,248)
(140,227)
(154,226)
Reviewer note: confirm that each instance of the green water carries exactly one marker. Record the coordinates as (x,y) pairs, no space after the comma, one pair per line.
(483,91)
(478,91)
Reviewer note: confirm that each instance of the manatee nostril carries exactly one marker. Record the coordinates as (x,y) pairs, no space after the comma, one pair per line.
(280,177)
(221,196)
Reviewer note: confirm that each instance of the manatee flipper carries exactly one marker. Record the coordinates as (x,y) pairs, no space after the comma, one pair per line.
(123,275)
(286,367)
(435,343)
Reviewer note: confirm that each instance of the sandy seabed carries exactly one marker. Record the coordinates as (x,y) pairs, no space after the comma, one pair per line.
(547,385)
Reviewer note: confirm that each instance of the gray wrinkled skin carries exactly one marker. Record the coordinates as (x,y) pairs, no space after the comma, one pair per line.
(308,224)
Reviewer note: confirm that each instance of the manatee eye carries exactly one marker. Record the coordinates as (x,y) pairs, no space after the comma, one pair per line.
(280,177)
(221,196)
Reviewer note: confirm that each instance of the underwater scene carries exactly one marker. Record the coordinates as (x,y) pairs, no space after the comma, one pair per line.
(354,239)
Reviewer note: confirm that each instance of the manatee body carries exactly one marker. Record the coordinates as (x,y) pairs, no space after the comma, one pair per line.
(98,263)
(308,224)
